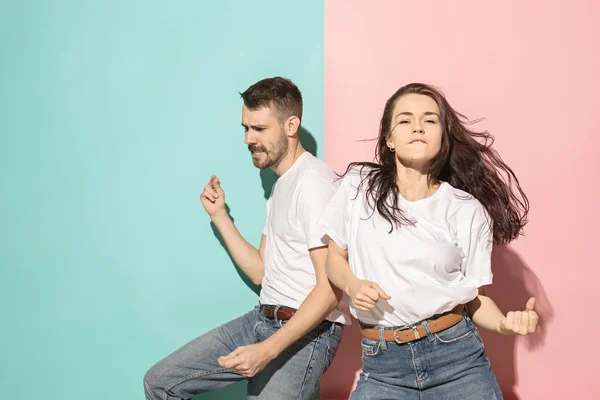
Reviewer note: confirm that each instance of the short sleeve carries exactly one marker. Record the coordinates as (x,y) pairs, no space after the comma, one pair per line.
(478,269)
(334,222)
(264,231)
(314,195)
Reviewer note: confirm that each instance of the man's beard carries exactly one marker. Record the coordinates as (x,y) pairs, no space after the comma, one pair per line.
(272,156)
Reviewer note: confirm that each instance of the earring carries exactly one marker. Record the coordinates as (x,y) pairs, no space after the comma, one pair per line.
(391,149)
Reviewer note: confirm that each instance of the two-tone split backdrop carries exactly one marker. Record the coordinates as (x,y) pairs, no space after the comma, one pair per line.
(113,115)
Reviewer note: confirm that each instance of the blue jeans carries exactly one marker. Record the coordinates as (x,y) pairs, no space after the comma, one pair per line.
(294,374)
(447,365)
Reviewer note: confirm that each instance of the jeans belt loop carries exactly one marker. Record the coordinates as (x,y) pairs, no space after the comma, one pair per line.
(416,332)
(382,341)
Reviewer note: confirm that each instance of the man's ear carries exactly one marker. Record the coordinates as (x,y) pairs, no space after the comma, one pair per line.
(292,126)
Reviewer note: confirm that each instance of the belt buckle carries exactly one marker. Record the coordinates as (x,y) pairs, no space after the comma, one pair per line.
(415,332)
(396,336)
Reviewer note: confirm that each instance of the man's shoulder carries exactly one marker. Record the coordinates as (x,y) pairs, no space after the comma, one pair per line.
(316,173)
(312,163)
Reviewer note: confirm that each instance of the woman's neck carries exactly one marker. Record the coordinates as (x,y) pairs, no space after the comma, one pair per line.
(414,184)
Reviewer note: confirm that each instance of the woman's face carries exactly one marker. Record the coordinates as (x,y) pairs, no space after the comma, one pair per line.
(416,130)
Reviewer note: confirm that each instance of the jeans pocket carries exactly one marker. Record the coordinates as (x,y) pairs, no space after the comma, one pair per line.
(479,340)
(456,333)
(256,331)
(333,335)
(330,354)
(336,332)
(370,348)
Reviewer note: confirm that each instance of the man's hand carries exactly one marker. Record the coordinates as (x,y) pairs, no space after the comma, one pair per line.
(247,360)
(213,198)
(366,294)
(520,322)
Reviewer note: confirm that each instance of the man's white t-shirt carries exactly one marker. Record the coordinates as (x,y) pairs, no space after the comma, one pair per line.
(427,268)
(294,208)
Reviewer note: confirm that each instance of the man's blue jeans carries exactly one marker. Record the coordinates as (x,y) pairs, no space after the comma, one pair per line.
(295,374)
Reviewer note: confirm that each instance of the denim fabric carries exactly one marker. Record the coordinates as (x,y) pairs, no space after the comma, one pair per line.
(447,365)
(295,374)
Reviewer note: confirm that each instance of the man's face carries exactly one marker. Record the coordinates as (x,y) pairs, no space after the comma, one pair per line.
(265,136)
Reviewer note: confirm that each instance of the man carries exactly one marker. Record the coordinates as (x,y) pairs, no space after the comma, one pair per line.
(285,344)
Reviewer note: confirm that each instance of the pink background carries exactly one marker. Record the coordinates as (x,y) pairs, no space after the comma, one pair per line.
(531,69)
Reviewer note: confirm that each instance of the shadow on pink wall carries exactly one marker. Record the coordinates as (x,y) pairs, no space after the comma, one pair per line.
(340,379)
(514,284)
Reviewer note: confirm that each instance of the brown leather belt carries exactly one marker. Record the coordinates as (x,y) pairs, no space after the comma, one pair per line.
(416,332)
(283,313)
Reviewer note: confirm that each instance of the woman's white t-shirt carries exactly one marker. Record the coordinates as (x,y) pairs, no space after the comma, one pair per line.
(427,268)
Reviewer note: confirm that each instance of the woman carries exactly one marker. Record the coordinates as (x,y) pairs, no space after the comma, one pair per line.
(411,241)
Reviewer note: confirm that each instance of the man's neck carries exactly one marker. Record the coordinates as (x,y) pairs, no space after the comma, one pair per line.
(288,160)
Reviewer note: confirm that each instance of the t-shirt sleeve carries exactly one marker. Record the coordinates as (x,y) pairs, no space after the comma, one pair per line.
(478,264)
(264,231)
(315,194)
(334,222)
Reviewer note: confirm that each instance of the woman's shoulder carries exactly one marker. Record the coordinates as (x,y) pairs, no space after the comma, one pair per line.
(464,202)
(356,178)
(357,173)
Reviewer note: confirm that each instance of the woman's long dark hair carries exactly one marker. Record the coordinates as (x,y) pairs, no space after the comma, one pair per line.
(466,161)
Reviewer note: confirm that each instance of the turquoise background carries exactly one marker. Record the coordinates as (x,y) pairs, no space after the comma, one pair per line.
(113,117)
